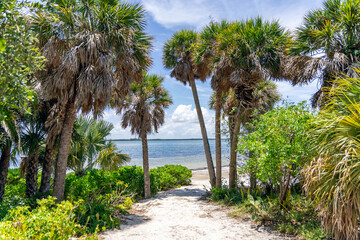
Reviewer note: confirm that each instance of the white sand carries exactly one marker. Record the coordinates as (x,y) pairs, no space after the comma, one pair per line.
(184,213)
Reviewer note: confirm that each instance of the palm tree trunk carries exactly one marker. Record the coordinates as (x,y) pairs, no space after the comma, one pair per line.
(146,165)
(4,167)
(218,139)
(31,173)
(47,168)
(63,150)
(233,152)
(209,161)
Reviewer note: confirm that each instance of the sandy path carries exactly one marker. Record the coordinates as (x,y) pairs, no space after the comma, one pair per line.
(184,213)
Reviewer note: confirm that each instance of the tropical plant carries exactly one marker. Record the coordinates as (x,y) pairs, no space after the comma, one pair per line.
(32,138)
(19,59)
(205,51)
(280,147)
(89,147)
(55,222)
(242,55)
(326,45)
(332,178)
(266,95)
(94,50)
(143,111)
(177,55)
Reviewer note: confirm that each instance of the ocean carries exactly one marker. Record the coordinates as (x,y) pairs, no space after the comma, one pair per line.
(186,152)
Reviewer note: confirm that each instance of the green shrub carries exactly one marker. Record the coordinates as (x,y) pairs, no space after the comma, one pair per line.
(46,221)
(170,176)
(14,193)
(108,194)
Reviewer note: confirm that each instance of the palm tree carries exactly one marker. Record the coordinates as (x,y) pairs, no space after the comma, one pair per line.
(94,50)
(177,55)
(206,54)
(332,179)
(143,111)
(32,137)
(247,53)
(89,147)
(53,128)
(326,45)
(110,159)
(241,55)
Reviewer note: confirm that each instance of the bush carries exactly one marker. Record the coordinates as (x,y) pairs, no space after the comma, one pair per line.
(279,144)
(47,221)
(108,194)
(14,193)
(105,195)
(170,176)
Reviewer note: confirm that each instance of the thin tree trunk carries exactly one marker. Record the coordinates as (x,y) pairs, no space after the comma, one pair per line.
(284,189)
(146,165)
(209,161)
(252,175)
(47,168)
(31,173)
(63,151)
(218,139)
(4,167)
(233,153)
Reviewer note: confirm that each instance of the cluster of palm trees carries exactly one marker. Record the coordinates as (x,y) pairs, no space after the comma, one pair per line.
(95,52)
(240,56)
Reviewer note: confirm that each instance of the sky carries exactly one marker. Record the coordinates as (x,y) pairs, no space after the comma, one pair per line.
(166,17)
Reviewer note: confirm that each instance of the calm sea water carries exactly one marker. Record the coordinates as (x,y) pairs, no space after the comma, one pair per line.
(189,153)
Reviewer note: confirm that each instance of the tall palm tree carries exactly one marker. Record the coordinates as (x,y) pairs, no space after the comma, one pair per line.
(94,50)
(256,50)
(326,45)
(143,111)
(177,55)
(53,127)
(332,179)
(242,55)
(89,146)
(206,54)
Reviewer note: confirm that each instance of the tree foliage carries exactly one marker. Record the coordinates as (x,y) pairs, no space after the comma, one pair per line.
(89,147)
(333,177)
(19,59)
(279,143)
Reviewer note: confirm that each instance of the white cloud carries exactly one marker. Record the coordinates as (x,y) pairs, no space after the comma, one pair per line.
(197,13)
(297,93)
(182,123)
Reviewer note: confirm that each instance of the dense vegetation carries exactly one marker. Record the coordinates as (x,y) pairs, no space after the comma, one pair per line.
(94,201)
(85,56)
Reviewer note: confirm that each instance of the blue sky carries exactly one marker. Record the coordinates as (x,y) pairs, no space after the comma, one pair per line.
(168,16)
